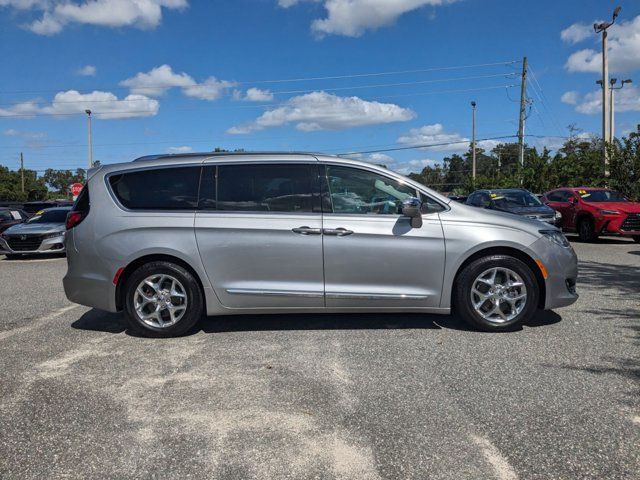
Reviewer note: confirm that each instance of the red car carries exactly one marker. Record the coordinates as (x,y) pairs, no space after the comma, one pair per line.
(595,211)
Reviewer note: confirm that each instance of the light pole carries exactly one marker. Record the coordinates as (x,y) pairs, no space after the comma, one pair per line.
(602,28)
(473,140)
(88,112)
(612,128)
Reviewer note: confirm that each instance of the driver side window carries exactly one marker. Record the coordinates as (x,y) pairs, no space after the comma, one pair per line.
(356,191)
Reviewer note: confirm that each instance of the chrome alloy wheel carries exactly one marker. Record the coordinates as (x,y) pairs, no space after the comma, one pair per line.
(498,294)
(160,301)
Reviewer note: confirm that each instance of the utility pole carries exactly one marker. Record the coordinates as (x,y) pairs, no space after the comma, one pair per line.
(606,139)
(523,112)
(88,112)
(473,140)
(22,170)
(612,102)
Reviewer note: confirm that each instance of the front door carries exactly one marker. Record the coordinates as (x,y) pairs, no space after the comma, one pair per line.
(372,255)
(258,230)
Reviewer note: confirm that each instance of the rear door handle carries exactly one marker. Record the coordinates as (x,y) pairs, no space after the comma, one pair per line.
(306,231)
(339,232)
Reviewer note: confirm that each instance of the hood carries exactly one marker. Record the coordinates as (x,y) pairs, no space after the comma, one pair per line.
(34,228)
(625,207)
(537,210)
(499,218)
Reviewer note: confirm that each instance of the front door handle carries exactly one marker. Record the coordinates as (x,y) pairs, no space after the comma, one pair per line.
(306,231)
(339,232)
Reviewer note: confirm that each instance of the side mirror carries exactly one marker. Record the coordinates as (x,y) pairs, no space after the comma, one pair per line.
(573,200)
(411,208)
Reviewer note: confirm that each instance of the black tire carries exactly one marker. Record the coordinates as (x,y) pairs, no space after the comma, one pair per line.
(636,238)
(191,289)
(586,230)
(462,303)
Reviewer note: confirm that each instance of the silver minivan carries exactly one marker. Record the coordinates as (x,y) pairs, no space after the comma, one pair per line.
(170,238)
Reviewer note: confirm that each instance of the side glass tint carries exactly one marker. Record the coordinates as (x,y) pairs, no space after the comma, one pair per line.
(172,188)
(268,188)
(356,191)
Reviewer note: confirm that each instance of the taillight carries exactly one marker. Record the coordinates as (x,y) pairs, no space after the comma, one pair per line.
(73,219)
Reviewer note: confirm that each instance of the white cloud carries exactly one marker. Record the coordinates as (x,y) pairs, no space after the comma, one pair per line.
(57,14)
(405,168)
(435,135)
(570,97)
(258,95)
(624,51)
(210,89)
(12,132)
(87,71)
(183,149)
(353,17)
(325,111)
(158,80)
(576,33)
(627,99)
(105,105)
(441,140)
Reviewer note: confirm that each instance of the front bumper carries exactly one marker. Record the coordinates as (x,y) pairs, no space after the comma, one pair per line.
(32,244)
(626,224)
(562,268)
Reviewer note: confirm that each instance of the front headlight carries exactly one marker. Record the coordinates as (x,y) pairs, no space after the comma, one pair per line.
(54,234)
(558,215)
(556,237)
(609,212)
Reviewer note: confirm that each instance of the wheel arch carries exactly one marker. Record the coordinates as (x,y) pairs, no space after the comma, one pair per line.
(155,257)
(510,251)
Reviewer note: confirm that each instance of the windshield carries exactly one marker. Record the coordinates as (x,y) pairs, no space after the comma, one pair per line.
(514,199)
(601,196)
(49,216)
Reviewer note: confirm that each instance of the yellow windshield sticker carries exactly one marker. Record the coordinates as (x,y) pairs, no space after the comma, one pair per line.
(495,196)
(582,192)
(39,213)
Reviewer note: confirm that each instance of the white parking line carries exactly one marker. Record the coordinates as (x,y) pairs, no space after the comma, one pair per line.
(38,322)
(504,471)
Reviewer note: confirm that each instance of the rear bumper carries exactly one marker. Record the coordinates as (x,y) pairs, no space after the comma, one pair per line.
(48,245)
(85,284)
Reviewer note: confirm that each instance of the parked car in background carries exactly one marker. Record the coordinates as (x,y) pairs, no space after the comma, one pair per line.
(11,216)
(42,233)
(458,198)
(595,211)
(514,200)
(168,238)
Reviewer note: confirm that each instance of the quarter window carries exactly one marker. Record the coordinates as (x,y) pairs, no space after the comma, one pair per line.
(290,188)
(356,191)
(157,189)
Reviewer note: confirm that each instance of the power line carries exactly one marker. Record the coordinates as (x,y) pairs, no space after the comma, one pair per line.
(291,80)
(412,147)
(282,92)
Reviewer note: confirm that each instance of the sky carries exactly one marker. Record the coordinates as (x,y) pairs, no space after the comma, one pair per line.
(330,76)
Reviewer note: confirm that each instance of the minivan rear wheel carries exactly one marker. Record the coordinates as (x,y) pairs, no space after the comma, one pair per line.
(496,293)
(162,299)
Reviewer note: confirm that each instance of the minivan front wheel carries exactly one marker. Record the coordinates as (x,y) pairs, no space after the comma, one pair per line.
(162,300)
(496,293)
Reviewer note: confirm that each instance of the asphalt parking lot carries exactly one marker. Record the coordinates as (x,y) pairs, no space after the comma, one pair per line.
(323,396)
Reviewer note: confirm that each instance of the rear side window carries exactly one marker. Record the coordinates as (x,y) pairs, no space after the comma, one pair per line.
(173,188)
(292,188)
(559,196)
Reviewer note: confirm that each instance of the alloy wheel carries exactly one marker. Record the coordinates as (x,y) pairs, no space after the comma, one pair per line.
(160,301)
(498,295)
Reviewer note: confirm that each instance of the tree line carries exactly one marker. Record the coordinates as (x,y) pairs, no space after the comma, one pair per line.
(53,184)
(579,162)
